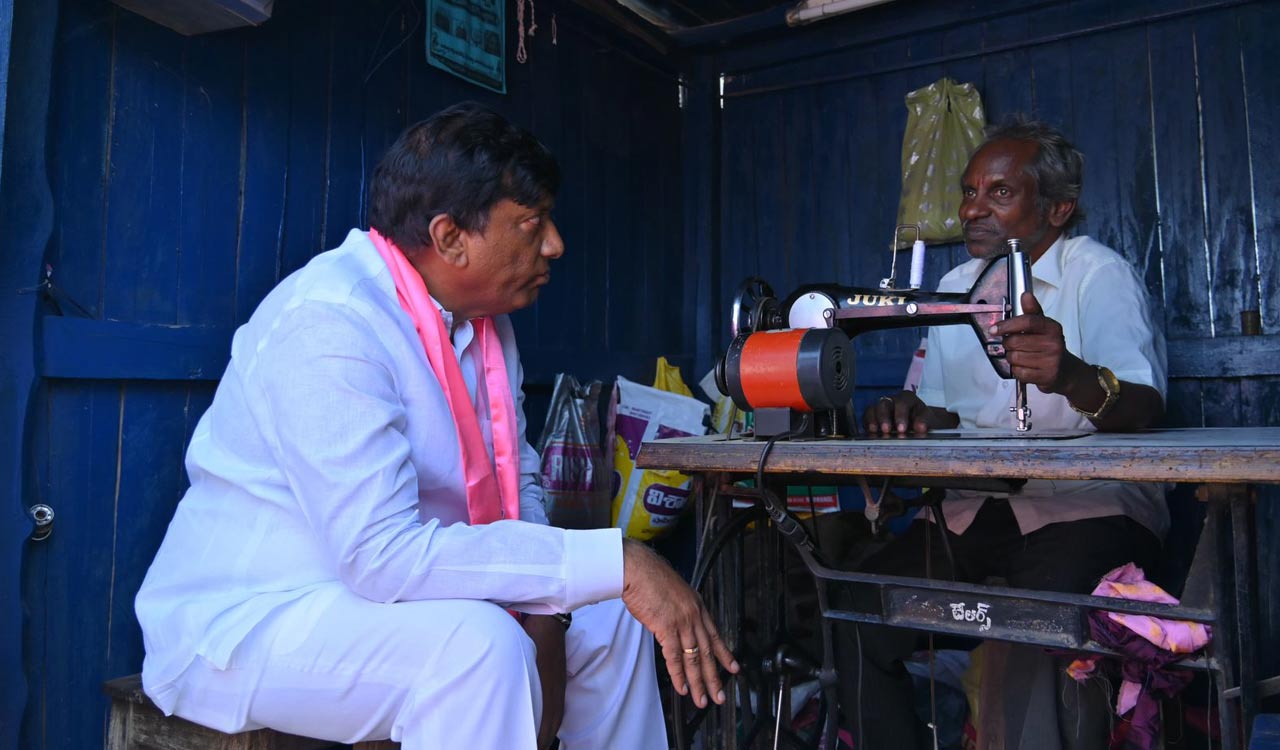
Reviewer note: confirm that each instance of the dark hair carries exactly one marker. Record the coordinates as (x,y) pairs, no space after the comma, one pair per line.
(1058,166)
(460,161)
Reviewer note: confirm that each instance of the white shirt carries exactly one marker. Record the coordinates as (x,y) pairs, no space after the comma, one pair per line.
(329,454)
(1101,304)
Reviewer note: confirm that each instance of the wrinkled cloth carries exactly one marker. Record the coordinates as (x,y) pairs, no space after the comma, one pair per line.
(1148,645)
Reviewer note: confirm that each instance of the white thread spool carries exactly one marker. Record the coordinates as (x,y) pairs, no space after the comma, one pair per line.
(917,264)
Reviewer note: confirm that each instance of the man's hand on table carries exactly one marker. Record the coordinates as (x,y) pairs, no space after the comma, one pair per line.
(547,634)
(896,414)
(665,605)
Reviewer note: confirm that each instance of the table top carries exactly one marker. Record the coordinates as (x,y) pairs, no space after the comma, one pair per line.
(1229,455)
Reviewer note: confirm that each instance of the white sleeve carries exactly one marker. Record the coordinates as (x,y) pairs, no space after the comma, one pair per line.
(337,426)
(1116,327)
(932,388)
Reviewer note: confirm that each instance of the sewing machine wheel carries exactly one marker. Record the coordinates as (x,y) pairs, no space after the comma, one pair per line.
(737,576)
(754,307)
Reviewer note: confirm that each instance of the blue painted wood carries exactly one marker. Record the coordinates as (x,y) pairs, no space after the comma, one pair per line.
(1179,175)
(308,62)
(152,428)
(349,97)
(73,588)
(80,348)
(26,44)
(209,182)
(263,166)
(140,252)
(1259,56)
(702,235)
(1225,142)
(82,80)
(1266,732)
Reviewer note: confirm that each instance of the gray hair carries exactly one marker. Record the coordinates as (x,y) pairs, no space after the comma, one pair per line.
(1058,166)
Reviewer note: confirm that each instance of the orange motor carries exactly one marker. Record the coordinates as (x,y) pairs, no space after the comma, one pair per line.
(805,369)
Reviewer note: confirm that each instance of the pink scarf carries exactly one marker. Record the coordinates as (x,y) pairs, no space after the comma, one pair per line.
(489,497)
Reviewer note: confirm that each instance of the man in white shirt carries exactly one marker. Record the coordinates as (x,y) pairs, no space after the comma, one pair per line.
(1092,358)
(323,575)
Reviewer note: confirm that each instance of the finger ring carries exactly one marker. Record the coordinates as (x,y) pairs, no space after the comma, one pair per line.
(691,651)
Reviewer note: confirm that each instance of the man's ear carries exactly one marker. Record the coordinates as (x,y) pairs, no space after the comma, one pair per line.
(447,240)
(1060,213)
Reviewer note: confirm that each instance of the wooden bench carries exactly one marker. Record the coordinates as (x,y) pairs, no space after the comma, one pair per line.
(136,724)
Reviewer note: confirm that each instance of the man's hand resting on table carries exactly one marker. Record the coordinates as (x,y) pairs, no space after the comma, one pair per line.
(665,605)
(896,414)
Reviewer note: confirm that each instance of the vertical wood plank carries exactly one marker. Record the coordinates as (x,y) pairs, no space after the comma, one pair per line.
(84,424)
(82,81)
(141,254)
(308,64)
(263,166)
(153,431)
(1232,287)
(1134,165)
(1176,113)
(347,100)
(208,206)
(1259,58)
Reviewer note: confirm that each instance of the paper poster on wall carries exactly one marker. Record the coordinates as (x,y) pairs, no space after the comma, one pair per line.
(466,38)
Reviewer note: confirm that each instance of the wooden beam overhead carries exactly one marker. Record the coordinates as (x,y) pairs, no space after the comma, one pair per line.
(616,15)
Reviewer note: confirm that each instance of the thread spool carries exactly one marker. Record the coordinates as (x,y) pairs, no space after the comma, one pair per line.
(917,264)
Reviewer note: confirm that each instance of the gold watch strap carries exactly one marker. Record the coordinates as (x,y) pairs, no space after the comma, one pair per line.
(1111,384)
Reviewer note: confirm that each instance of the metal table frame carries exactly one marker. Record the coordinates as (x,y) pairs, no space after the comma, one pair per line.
(1225,463)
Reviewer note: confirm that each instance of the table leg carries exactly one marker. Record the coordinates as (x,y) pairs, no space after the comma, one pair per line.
(1242,551)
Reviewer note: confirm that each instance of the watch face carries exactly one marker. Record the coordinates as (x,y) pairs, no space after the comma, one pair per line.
(1109,380)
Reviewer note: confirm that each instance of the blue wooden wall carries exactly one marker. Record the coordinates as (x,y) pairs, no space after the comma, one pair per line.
(1175,104)
(189,175)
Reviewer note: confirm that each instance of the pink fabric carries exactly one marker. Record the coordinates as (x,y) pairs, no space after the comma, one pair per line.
(1174,636)
(489,497)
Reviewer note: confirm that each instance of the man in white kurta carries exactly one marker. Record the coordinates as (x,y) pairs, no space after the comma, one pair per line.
(320,576)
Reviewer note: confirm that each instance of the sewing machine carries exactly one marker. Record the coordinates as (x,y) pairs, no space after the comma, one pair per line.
(792,363)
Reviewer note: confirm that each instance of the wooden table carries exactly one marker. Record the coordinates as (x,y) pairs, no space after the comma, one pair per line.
(1224,462)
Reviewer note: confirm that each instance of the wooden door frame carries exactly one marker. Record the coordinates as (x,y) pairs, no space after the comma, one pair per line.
(26,220)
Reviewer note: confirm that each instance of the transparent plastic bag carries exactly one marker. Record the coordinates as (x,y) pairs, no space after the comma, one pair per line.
(575,477)
(945,123)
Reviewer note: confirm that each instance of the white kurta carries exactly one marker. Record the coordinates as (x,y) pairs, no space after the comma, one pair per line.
(1101,304)
(326,479)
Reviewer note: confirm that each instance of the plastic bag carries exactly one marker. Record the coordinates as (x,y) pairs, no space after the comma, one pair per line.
(724,415)
(944,127)
(649,502)
(575,481)
(667,378)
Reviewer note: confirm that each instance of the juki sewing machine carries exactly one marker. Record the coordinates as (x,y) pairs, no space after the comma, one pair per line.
(792,363)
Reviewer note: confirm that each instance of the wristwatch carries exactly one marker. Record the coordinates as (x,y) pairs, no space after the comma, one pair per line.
(1111,384)
(564,618)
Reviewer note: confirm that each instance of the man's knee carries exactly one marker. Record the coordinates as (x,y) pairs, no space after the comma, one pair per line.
(488,638)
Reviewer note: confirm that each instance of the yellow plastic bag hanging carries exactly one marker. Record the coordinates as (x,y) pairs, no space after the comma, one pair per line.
(945,124)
